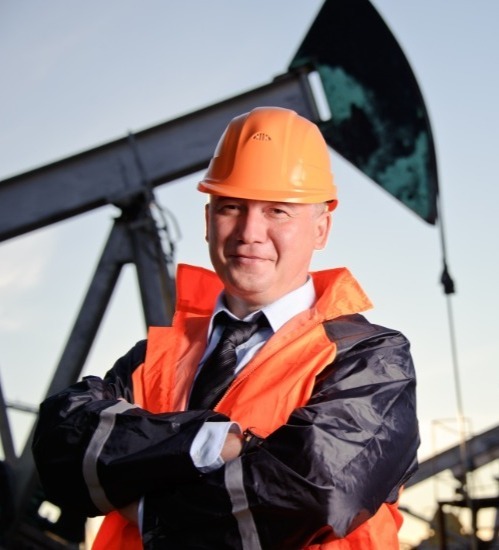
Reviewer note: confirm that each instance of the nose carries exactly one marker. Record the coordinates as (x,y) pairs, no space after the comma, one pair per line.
(251,226)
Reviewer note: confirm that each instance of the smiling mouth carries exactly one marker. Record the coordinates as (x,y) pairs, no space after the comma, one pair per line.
(242,258)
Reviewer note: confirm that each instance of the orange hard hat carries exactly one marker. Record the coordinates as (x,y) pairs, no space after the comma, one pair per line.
(271,154)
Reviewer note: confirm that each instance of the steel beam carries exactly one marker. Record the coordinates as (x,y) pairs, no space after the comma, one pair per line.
(116,253)
(156,284)
(110,173)
(134,238)
(481,449)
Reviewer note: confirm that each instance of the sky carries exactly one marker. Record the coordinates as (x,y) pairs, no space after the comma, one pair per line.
(78,74)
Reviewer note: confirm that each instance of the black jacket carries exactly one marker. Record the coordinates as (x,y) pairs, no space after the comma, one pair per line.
(332,464)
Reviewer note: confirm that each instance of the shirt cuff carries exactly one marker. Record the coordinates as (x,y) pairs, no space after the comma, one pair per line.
(207,446)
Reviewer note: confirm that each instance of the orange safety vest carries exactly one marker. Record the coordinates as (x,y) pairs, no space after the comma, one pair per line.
(253,400)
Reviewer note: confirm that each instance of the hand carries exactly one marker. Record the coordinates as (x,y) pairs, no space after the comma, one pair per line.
(131,512)
(232,446)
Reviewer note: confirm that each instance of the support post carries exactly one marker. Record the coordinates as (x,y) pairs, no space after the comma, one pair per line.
(134,238)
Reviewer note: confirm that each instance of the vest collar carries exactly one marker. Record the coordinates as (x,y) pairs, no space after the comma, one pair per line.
(338,292)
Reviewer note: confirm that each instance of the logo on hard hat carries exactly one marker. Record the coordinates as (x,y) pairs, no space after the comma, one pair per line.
(261,136)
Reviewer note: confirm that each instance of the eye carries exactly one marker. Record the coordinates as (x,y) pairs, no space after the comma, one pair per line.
(279,212)
(229,208)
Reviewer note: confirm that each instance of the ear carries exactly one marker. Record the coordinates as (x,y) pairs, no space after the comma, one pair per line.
(206,220)
(323,227)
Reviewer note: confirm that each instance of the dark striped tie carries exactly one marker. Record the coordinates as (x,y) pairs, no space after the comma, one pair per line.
(218,370)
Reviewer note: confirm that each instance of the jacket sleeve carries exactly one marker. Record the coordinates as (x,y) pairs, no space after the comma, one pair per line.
(327,470)
(95,451)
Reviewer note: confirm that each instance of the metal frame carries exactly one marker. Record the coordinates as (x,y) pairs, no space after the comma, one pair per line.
(123,173)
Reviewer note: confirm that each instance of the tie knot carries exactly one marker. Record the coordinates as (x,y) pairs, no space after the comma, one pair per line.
(236,332)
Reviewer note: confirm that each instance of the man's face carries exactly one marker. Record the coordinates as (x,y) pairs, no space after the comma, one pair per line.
(261,250)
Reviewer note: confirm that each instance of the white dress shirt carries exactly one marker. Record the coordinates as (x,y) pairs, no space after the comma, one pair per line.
(208,443)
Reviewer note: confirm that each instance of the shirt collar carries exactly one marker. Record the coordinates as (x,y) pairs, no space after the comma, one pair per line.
(279,312)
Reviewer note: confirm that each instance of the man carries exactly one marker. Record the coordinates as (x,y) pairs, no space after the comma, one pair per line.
(311,437)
